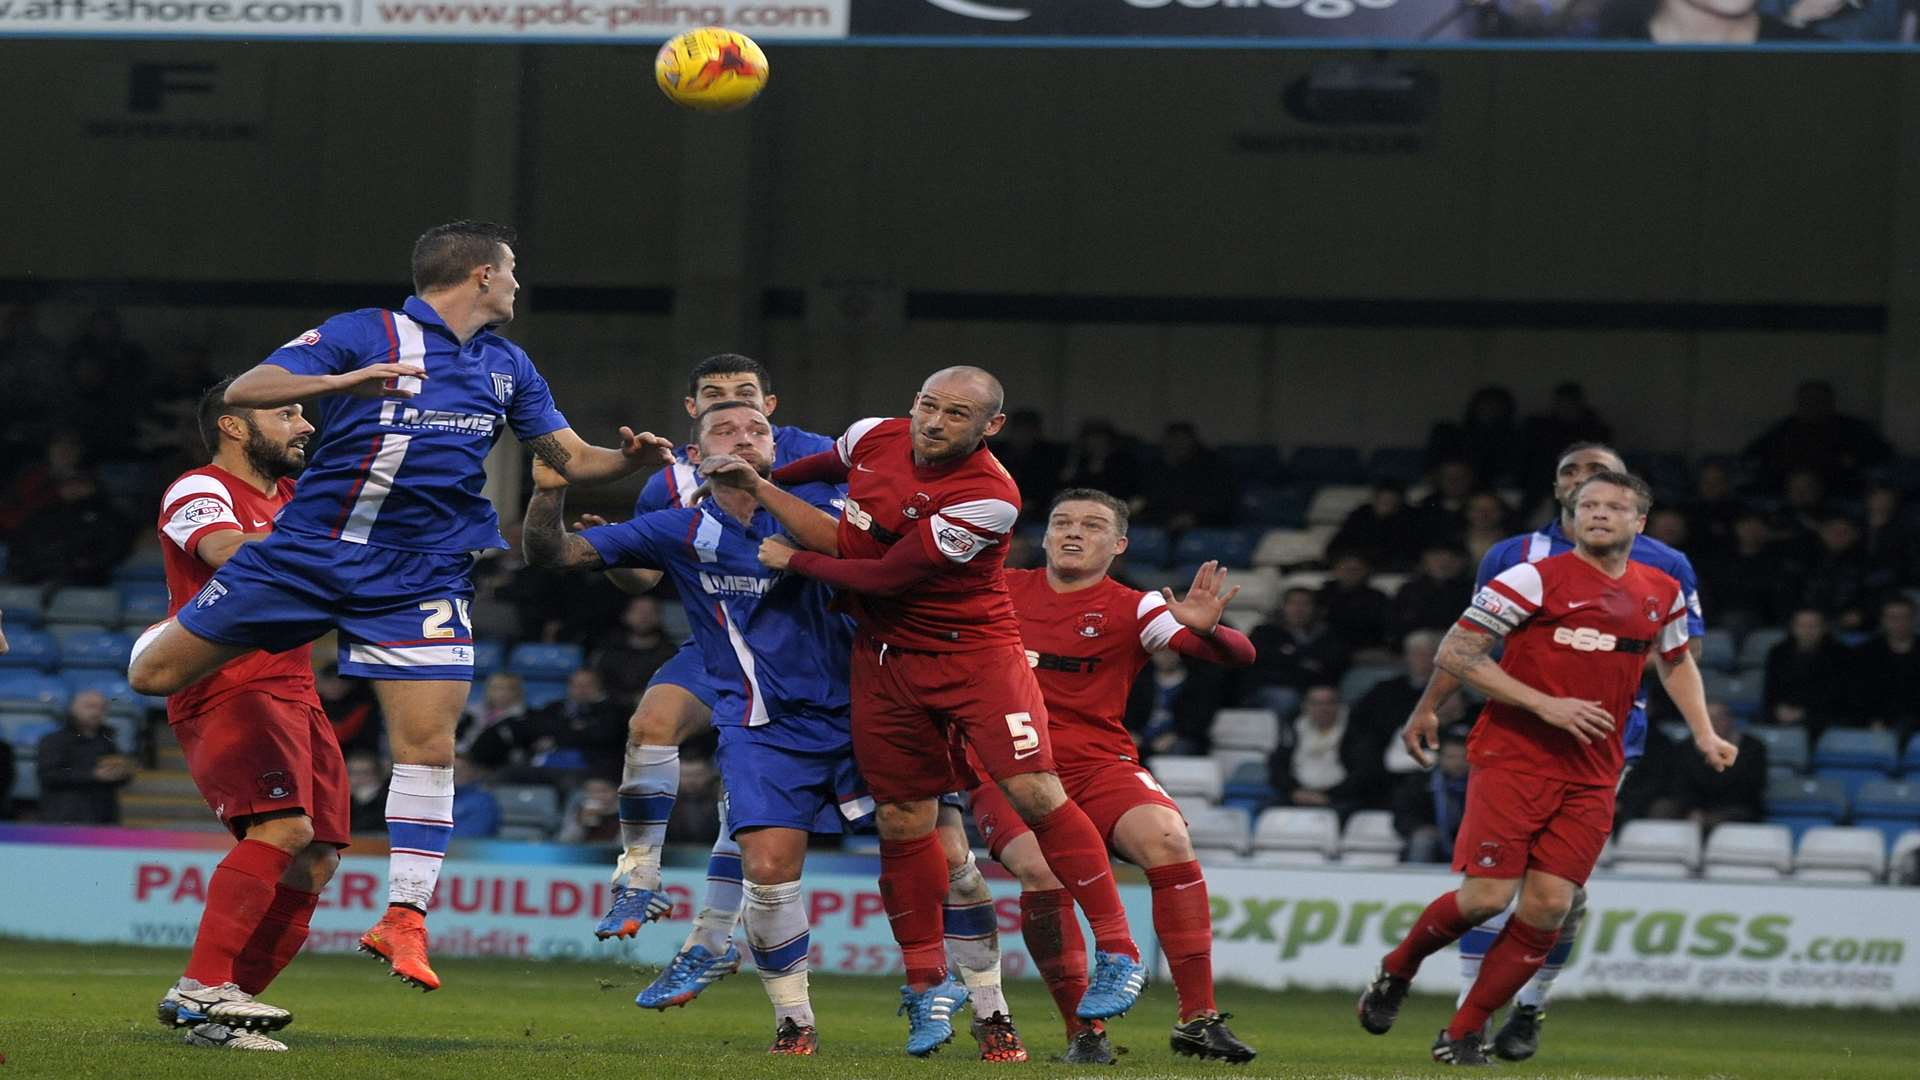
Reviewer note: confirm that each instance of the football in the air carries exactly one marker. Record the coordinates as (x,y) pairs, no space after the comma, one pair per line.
(712,69)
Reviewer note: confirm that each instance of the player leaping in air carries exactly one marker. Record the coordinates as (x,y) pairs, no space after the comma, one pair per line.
(377,542)
(920,551)
(1546,751)
(1088,636)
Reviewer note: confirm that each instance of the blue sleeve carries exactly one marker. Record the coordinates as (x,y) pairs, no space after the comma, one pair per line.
(1690,588)
(629,543)
(654,494)
(531,413)
(1498,558)
(829,499)
(795,444)
(343,343)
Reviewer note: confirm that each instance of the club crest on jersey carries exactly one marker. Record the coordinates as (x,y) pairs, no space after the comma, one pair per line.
(502,387)
(1091,624)
(917,505)
(210,595)
(275,785)
(1653,609)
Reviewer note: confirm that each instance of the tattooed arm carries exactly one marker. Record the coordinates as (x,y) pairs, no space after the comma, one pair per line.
(543,540)
(581,463)
(1467,655)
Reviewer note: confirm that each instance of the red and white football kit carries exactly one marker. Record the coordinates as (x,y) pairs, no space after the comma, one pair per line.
(1538,796)
(254,734)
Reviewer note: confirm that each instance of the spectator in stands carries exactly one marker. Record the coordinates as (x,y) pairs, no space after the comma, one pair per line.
(107,374)
(1170,708)
(1816,436)
(1886,672)
(1804,508)
(1355,610)
(1694,22)
(81,768)
(31,361)
(1835,580)
(1669,526)
(76,540)
(1444,511)
(504,698)
(696,813)
(629,655)
(1806,676)
(592,816)
(1187,488)
(1433,597)
(1751,585)
(1712,511)
(350,704)
(1489,520)
(1100,460)
(1383,709)
(367,792)
(1710,798)
(1427,807)
(37,486)
(1486,437)
(494,611)
(1891,539)
(584,732)
(476,813)
(1384,529)
(1297,650)
(555,605)
(1323,760)
(1034,461)
(1569,419)
(1841,20)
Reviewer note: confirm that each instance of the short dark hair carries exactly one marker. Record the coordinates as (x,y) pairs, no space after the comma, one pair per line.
(1094,495)
(700,418)
(1642,494)
(727,363)
(445,254)
(1575,448)
(213,406)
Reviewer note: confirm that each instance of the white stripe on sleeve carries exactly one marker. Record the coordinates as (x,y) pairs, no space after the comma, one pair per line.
(193,503)
(845,443)
(1157,624)
(986,515)
(957,540)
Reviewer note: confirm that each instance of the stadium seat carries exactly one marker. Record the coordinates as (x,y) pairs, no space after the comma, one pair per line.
(1147,545)
(33,649)
(528,806)
(1231,547)
(1745,851)
(1290,547)
(1246,729)
(1841,853)
(1757,644)
(27,691)
(1404,465)
(1368,839)
(1274,506)
(1892,806)
(1719,652)
(113,684)
(1327,465)
(1740,691)
(1330,505)
(537,660)
(487,658)
(1248,787)
(1390,584)
(99,606)
(145,564)
(102,649)
(1786,746)
(1905,847)
(541,692)
(142,603)
(1251,463)
(1854,756)
(1220,831)
(1296,835)
(1259,590)
(1304,579)
(1803,802)
(1358,680)
(1910,761)
(1230,761)
(1181,775)
(23,729)
(23,605)
(1654,845)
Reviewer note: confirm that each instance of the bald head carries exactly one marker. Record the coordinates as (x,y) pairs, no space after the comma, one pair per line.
(956,408)
(964,380)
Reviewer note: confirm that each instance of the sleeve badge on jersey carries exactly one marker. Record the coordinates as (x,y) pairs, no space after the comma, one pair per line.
(1653,609)
(917,505)
(201,511)
(502,387)
(956,541)
(311,337)
(1489,601)
(1091,624)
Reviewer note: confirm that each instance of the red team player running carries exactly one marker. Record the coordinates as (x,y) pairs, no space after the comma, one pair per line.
(257,743)
(1546,753)
(1088,637)
(920,552)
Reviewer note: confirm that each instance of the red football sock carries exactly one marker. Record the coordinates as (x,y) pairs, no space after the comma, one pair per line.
(1058,949)
(1511,960)
(238,896)
(1078,859)
(913,886)
(277,940)
(1439,926)
(1184,924)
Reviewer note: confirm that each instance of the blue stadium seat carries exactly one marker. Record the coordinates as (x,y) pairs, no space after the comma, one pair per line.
(23,605)
(1892,806)
(538,660)
(1755,646)
(1741,690)
(1403,464)
(142,603)
(1147,545)
(1232,547)
(1251,463)
(111,683)
(1248,789)
(1274,507)
(97,649)
(1802,802)
(35,649)
(24,729)
(1786,746)
(1910,761)
(1854,756)
(100,607)
(1359,680)
(541,692)
(1327,465)
(146,564)
(487,658)
(1720,653)
(30,690)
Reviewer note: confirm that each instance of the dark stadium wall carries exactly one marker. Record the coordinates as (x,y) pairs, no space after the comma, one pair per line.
(1120,233)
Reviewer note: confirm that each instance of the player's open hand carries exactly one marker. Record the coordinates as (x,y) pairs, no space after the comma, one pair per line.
(1208,596)
(1421,736)
(1584,720)
(646,448)
(776,552)
(546,477)
(730,471)
(588,521)
(1720,753)
(380,380)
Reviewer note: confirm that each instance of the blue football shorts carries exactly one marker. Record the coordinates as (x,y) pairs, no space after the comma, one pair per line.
(688,671)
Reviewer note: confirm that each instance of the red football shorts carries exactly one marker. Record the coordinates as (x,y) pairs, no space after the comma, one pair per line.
(1516,821)
(252,753)
(1105,791)
(906,703)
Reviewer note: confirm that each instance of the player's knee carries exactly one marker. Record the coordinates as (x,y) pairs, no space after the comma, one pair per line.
(1167,847)
(291,833)
(953,844)
(651,725)
(903,821)
(1034,795)
(314,867)
(1481,899)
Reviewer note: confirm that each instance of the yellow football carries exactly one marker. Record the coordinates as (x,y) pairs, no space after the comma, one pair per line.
(712,69)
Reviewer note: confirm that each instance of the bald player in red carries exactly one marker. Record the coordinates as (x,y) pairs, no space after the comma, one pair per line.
(920,553)
(1088,637)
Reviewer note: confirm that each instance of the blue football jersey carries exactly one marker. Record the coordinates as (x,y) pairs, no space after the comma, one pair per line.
(776,655)
(1552,540)
(407,473)
(672,485)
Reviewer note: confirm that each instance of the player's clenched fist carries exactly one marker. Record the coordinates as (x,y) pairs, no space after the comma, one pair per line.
(776,552)
(1719,752)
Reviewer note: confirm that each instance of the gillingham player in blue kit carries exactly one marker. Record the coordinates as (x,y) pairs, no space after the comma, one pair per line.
(378,541)
(1519,1038)
(776,660)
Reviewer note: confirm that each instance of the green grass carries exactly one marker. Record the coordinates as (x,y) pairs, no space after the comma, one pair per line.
(78,1011)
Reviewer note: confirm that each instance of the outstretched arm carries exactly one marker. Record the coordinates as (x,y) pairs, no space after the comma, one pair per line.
(543,540)
(815,529)
(825,467)
(1202,635)
(905,565)
(1466,655)
(269,386)
(583,463)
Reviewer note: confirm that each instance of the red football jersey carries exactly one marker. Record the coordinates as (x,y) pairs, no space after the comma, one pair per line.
(1572,631)
(1086,648)
(208,500)
(962,515)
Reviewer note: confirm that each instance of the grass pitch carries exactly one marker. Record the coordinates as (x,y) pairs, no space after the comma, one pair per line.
(73,1011)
